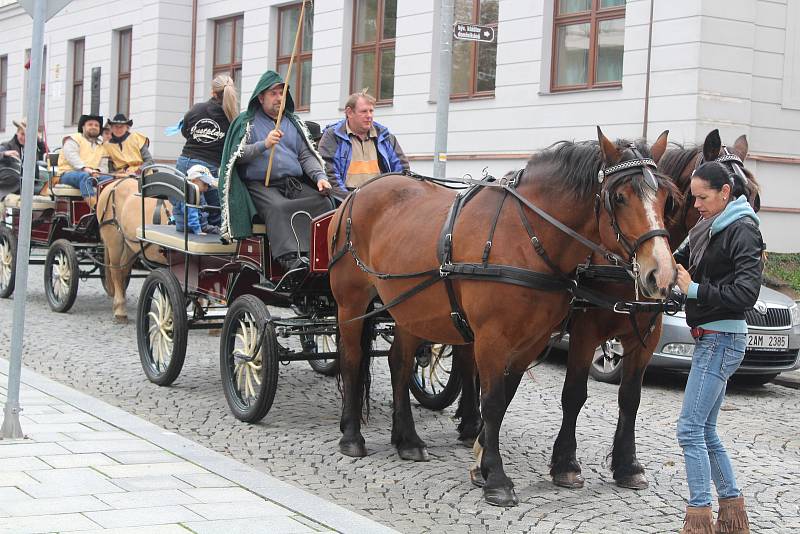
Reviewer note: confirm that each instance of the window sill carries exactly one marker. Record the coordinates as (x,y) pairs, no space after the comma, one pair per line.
(467,98)
(584,90)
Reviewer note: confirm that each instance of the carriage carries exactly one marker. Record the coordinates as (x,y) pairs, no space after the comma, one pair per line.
(210,284)
(64,238)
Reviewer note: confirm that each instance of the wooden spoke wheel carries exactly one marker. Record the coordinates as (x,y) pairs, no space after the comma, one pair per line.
(325,343)
(248,359)
(161,327)
(61,276)
(8,262)
(434,384)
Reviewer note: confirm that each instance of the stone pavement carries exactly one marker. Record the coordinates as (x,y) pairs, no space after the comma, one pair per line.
(85,466)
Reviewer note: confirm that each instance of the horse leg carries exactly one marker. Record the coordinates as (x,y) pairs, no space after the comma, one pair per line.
(468,404)
(116,253)
(354,373)
(628,472)
(564,466)
(401,362)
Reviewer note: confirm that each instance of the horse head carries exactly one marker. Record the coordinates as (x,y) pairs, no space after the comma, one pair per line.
(631,207)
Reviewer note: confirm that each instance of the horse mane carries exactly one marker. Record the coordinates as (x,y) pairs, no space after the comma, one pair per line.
(572,167)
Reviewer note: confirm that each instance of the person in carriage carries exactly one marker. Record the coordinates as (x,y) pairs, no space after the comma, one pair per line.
(81,156)
(127,150)
(297,181)
(11,154)
(357,149)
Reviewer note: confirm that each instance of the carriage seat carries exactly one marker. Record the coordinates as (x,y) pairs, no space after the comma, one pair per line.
(63,190)
(39,202)
(166,235)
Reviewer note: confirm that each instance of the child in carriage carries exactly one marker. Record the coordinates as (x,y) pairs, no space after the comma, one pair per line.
(195,218)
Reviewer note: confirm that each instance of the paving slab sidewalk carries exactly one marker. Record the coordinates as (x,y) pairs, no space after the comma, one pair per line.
(86,466)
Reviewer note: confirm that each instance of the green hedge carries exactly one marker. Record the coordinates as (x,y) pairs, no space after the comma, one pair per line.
(784,267)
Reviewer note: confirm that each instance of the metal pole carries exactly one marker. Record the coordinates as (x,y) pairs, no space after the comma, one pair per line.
(646,117)
(443,94)
(11,428)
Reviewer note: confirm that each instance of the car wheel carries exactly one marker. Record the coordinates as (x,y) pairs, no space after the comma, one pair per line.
(607,362)
(753,380)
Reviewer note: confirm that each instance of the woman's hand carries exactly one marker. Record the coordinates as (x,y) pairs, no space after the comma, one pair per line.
(684,279)
(273,138)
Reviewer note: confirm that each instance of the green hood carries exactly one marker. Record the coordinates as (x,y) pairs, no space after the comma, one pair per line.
(237,206)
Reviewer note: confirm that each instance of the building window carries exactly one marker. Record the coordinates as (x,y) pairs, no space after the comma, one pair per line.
(228,49)
(42,87)
(372,67)
(588,39)
(124,72)
(301,69)
(3,91)
(78,47)
(474,64)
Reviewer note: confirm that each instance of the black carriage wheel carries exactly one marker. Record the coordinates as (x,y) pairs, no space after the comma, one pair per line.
(607,362)
(325,343)
(61,276)
(8,262)
(433,383)
(161,327)
(248,359)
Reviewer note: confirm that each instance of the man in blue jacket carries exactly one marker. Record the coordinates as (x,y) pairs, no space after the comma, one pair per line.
(357,148)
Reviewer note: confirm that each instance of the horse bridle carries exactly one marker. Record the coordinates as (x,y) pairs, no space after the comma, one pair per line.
(730,160)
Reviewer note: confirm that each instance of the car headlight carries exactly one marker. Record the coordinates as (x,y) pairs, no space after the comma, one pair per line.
(678,349)
(794,311)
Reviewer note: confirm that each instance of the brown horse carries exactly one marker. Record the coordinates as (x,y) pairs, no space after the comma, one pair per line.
(392,225)
(119,211)
(591,328)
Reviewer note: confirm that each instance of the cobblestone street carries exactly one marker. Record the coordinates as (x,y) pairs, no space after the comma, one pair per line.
(297,441)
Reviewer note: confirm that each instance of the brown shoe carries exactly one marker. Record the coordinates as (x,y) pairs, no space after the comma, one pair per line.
(732,518)
(698,520)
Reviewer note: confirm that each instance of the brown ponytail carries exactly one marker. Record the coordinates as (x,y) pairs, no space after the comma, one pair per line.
(223,87)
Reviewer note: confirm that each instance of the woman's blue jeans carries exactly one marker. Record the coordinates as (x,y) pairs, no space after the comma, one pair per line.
(716,358)
(212,194)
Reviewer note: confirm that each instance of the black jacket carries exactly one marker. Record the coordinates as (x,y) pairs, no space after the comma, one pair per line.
(729,274)
(13,144)
(204,127)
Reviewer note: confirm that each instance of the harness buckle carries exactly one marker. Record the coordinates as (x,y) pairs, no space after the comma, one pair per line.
(621,307)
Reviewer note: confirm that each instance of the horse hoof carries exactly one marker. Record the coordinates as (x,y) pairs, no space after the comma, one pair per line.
(504,497)
(121,319)
(571,480)
(354,449)
(469,434)
(415,454)
(636,481)
(476,477)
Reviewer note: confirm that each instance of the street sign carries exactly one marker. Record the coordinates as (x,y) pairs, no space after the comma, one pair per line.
(53,7)
(473,32)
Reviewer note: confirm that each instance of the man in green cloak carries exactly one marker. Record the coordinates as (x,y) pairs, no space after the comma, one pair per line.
(297,182)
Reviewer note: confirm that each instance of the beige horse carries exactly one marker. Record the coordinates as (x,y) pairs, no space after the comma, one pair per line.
(119,211)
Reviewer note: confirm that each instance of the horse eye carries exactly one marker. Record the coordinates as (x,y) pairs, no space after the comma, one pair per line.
(619,198)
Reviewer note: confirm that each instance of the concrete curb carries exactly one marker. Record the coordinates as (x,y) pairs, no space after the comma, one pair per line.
(789,380)
(260,483)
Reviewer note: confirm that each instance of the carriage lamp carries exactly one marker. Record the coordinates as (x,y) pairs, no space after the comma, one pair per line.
(794,311)
(679,349)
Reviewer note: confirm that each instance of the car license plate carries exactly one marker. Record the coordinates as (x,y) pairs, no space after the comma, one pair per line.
(767,342)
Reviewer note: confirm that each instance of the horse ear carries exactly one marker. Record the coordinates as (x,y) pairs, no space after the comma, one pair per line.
(660,146)
(608,150)
(712,146)
(740,147)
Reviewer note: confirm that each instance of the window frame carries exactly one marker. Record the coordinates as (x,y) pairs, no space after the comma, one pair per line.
(233,66)
(594,16)
(302,57)
(379,46)
(77,78)
(473,47)
(122,75)
(3,91)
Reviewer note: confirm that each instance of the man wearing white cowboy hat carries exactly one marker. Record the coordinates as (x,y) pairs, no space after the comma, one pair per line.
(11,154)
(79,161)
(193,218)
(128,150)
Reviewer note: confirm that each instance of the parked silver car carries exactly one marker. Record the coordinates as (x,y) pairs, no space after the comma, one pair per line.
(773,342)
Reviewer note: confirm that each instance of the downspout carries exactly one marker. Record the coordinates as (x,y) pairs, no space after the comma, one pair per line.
(647,76)
(192,61)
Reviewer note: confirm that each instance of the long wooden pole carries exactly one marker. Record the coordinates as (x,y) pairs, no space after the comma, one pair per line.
(286,87)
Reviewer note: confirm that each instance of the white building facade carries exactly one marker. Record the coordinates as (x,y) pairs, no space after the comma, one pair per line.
(558,69)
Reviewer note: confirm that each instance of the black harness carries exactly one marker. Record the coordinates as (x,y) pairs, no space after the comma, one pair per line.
(554,281)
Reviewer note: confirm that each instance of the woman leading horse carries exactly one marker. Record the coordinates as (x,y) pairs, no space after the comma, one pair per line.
(505,293)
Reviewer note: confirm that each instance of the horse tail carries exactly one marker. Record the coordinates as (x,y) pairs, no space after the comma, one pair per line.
(364,373)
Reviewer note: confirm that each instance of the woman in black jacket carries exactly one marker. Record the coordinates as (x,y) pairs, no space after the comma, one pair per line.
(204,127)
(719,271)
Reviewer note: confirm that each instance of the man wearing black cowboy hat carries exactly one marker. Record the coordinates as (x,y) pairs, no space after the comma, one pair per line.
(11,154)
(79,162)
(128,150)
